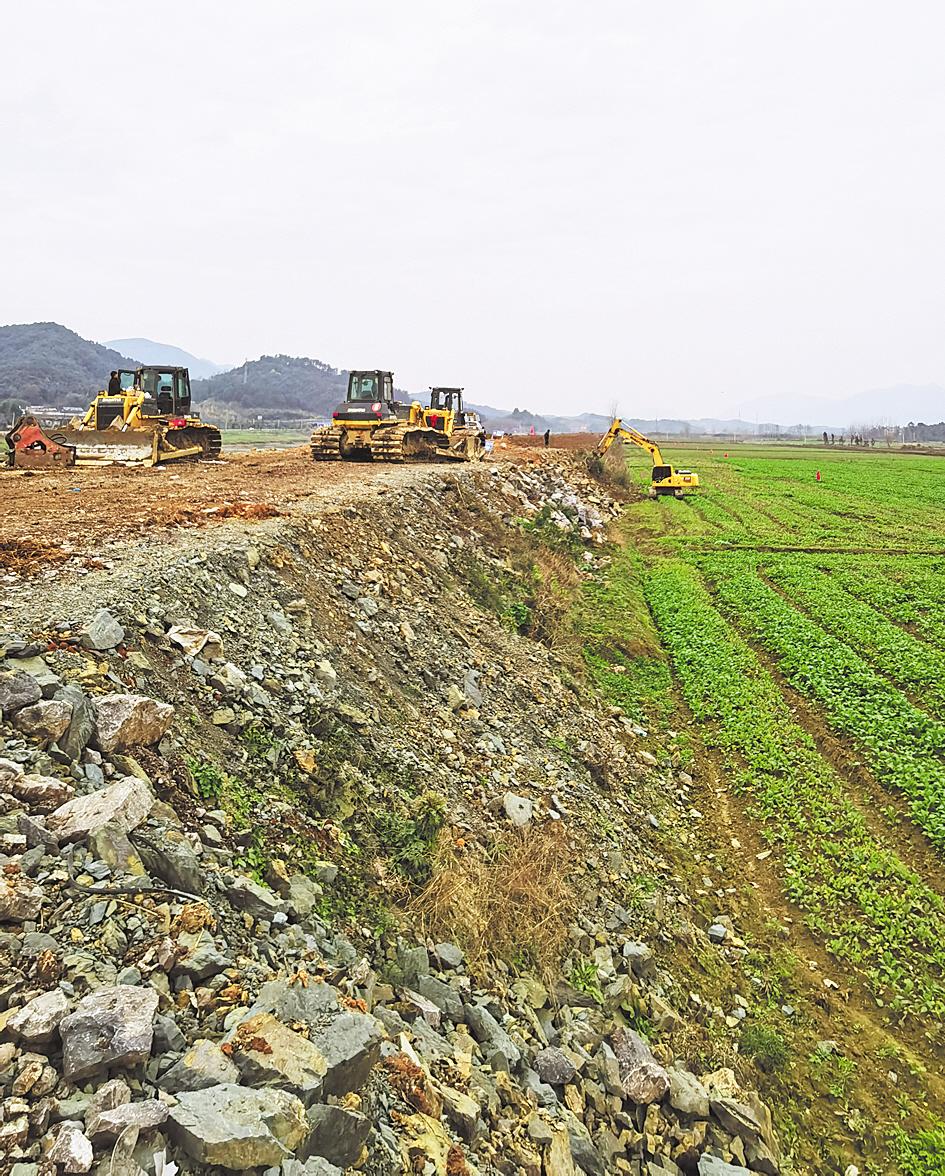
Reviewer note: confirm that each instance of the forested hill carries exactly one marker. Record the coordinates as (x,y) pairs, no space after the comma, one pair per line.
(283,384)
(45,363)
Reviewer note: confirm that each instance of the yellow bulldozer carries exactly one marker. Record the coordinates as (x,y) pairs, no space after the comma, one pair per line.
(371,425)
(665,479)
(145,421)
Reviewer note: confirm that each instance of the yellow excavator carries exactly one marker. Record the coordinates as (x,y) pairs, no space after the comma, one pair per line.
(665,479)
(372,426)
(146,421)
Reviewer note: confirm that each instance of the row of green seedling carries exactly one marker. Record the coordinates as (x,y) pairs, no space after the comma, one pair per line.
(870,908)
(902,745)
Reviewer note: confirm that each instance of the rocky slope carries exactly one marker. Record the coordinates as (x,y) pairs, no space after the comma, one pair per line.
(312,861)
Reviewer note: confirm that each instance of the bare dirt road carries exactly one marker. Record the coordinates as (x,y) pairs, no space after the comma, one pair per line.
(46,516)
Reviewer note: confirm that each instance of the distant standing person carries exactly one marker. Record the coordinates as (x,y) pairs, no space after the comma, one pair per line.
(114,384)
(547,436)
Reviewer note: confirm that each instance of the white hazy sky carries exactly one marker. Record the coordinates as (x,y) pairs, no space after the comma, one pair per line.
(676,206)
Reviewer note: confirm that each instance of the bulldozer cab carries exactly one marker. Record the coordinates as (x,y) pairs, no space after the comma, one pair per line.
(371,386)
(156,391)
(166,390)
(448,401)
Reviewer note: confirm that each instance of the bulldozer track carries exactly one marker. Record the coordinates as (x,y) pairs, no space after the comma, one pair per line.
(397,445)
(326,445)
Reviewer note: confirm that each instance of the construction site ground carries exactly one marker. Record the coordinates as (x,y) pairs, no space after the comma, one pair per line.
(48,516)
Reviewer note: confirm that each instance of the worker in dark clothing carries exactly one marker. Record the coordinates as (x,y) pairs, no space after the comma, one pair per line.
(114,384)
(547,436)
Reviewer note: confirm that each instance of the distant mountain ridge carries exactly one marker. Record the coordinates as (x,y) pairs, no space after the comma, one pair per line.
(148,351)
(276,385)
(45,363)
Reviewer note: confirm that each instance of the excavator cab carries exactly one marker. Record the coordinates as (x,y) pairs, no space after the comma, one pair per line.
(167,389)
(446,404)
(370,386)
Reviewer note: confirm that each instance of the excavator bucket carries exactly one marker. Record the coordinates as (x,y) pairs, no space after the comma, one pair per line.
(32,448)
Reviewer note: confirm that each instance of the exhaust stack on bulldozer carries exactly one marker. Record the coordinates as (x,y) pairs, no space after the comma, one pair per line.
(148,422)
(372,426)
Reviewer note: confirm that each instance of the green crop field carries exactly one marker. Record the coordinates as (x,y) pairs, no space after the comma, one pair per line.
(802,618)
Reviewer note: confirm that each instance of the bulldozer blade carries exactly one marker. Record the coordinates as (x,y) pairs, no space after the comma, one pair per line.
(102,447)
(178,454)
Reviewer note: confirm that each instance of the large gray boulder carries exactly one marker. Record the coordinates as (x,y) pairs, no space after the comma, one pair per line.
(9,771)
(38,1020)
(237,1128)
(41,793)
(122,806)
(443,995)
(82,724)
(310,1004)
(687,1094)
(203,1065)
(201,957)
(491,1036)
(130,720)
(713,1166)
(71,1150)
(44,721)
(553,1066)
(19,899)
(643,1079)
(351,1047)
(104,631)
(737,1119)
(268,1053)
(17,689)
(258,901)
(168,855)
(113,1026)
(144,1116)
(337,1134)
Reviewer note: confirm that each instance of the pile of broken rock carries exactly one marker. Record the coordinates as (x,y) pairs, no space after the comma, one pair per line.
(162,1012)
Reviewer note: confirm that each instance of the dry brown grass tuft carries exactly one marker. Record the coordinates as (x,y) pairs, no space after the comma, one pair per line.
(612,471)
(514,903)
(556,583)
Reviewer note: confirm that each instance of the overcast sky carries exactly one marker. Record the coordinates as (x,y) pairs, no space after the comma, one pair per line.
(677,207)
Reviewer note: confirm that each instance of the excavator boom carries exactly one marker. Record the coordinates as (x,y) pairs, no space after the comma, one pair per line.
(665,479)
(619,430)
